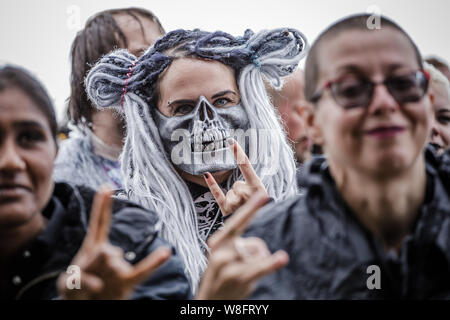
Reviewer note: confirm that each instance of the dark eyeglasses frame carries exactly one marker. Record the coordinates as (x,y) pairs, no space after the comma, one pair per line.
(316,97)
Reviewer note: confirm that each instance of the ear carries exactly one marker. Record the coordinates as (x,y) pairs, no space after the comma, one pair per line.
(314,130)
(300,108)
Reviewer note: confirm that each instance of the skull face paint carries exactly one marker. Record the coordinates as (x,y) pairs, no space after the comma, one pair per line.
(197,142)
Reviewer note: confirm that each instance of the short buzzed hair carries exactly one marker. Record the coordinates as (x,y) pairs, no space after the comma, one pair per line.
(358,22)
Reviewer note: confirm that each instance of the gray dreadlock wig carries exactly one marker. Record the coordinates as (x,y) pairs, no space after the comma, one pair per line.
(121,81)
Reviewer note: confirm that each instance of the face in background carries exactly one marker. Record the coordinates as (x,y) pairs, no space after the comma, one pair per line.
(108,125)
(361,138)
(290,102)
(440,131)
(186,79)
(138,42)
(27,153)
(445,71)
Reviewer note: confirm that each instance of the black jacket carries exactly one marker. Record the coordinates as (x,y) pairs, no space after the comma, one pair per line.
(33,272)
(330,251)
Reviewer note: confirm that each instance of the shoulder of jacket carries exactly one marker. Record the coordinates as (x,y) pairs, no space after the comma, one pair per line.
(130,222)
(279,214)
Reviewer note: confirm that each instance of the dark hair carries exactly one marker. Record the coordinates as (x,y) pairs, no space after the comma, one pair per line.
(100,35)
(17,77)
(358,22)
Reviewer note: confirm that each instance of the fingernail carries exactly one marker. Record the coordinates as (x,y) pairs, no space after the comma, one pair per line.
(167,251)
(230,141)
(206,175)
(281,256)
(105,188)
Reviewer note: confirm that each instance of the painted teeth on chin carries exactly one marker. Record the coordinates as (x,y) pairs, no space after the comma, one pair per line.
(209,135)
(210,140)
(225,134)
(197,140)
(196,145)
(217,140)
(198,128)
(218,144)
(209,147)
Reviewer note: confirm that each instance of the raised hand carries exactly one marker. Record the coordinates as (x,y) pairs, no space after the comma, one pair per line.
(241,191)
(105,274)
(235,264)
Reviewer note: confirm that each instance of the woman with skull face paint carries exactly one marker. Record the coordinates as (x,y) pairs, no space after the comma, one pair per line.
(183,100)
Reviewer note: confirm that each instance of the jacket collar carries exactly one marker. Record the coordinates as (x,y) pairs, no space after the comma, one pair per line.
(336,217)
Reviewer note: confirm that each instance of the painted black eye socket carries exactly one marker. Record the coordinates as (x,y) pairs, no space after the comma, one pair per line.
(184,109)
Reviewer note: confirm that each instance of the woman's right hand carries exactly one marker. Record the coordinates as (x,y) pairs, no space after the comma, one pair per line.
(235,264)
(105,274)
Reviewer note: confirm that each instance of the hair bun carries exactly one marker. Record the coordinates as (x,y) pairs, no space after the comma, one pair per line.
(107,80)
(277,52)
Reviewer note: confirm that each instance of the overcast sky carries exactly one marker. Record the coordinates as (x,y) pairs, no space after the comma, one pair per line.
(37,34)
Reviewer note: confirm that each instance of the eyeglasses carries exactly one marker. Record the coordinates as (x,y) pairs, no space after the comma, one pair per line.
(353,91)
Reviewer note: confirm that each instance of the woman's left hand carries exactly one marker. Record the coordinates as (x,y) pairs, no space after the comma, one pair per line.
(241,191)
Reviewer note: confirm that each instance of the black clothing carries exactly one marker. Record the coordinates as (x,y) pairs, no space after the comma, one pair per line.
(34,270)
(209,216)
(331,251)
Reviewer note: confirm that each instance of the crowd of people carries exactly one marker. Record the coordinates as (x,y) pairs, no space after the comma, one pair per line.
(202,165)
